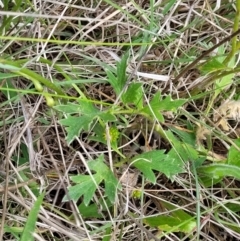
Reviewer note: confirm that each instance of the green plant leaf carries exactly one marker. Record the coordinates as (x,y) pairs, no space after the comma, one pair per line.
(84,107)
(31,221)
(122,71)
(171,224)
(212,65)
(154,108)
(175,163)
(69,108)
(110,181)
(87,107)
(87,187)
(226,80)
(134,95)
(158,161)
(182,152)
(88,184)
(157,105)
(234,154)
(218,171)
(186,137)
(107,117)
(92,210)
(112,79)
(118,81)
(176,221)
(74,125)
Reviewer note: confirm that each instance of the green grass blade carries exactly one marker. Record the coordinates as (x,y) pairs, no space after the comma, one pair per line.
(31,221)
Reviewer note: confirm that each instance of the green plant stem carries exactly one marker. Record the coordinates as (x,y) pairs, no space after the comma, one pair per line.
(31,75)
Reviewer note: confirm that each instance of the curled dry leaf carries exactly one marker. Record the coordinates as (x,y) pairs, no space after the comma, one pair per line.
(201,134)
(168,114)
(230,109)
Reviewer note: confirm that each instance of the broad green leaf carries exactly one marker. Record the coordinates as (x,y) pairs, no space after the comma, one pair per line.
(107,117)
(176,221)
(24,158)
(174,162)
(134,95)
(88,184)
(171,224)
(218,171)
(234,207)
(212,65)
(207,180)
(187,152)
(157,105)
(31,221)
(118,82)
(167,104)
(92,210)
(87,107)
(154,108)
(69,108)
(225,81)
(175,211)
(108,234)
(74,125)
(182,151)
(234,154)
(158,161)
(110,181)
(186,137)
(216,64)
(234,226)
(86,188)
